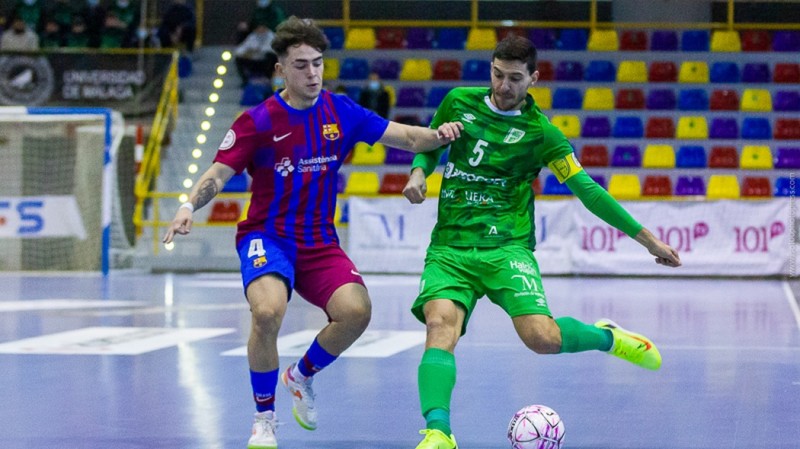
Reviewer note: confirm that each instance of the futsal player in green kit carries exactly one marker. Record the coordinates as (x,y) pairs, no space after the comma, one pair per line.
(483,240)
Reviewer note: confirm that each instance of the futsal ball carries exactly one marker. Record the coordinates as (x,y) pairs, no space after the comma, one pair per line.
(536,427)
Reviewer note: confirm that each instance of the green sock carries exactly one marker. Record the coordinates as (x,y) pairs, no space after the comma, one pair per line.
(437,378)
(578,337)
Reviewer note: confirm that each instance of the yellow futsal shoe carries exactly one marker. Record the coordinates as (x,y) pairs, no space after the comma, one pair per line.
(632,347)
(436,439)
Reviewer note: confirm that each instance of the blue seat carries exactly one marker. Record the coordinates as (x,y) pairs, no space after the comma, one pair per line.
(600,179)
(353,92)
(553,187)
(572,39)
(664,40)
(691,156)
(628,127)
(695,40)
(693,100)
(436,95)
(626,156)
(476,70)
(756,128)
(420,38)
(354,69)
(724,72)
(254,94)
(787,100)
(543,38)
(237,183)
(335,36)
(596,127)
(184,67)
(345,217)
(411,97)
(786,41)
(451,39)
(567,98)
(756,72)
(387,69)
(661,99)
(783,187)
(600,71)
(569,71)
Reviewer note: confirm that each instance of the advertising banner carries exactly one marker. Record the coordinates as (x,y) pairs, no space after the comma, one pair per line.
(45,216)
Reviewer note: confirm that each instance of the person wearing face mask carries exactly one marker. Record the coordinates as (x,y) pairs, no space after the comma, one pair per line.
(254,56)
(31,12)
(94,17)
(121,25)
(19,37)
(374,96)
(62,12)
(267,13)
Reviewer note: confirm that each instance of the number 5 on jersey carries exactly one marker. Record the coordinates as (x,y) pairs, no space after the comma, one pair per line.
(478,152)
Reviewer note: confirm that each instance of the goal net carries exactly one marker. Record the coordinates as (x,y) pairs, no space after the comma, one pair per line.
(56,198)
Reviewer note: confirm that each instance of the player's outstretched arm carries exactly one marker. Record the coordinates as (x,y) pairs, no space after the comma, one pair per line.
(416,187)
(665,254)
(419,139)
(207,187)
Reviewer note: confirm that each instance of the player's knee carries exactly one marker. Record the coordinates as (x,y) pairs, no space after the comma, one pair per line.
(355,314)
(266,318)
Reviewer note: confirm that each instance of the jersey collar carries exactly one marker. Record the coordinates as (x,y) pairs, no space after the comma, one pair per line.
(528,102)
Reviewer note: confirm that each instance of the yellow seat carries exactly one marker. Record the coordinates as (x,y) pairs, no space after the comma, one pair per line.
(658,156)
(569,125)
(330,69)
(725,41)
(756,157)
(392,94)
(337,215)
(598,99)
(362,183)
(632,72)
(625,186)
(481,39)
(723,187)
(364,154)
(542,96)
(756,100)
(246,207)
(693,72)
(434,184)
(416,70)
(360,39)
(692,127)
(603,40)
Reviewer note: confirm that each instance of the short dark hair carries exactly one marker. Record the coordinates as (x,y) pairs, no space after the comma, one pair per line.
(296,31)
(516,48)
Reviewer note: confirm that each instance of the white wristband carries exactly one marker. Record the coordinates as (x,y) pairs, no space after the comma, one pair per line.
(188,205)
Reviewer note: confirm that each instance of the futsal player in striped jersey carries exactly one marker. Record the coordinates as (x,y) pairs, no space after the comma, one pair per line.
(293,145)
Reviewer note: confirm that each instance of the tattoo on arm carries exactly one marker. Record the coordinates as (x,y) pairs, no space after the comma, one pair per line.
(207,191)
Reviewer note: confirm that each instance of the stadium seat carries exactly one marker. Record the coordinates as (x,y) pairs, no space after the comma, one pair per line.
(420,38)
(603,40)
(476,70)
(436,95)
(362,183)
(596,127)
(392,94)
(237,183)
(451,39)
(390,38)
(756,72)
(360,39)
(724,72)
(553,187)
(756,187)
(340,182)
(481,39)
(542,96)
(786,41)
(546,71)
(354,69)
(543,38)
(787,158)
(567,98)
(411,97)
(690,186)
(626,156)
(254,94)
(633,40)
(598,99)
(691,156)
(755,128)
(624,186)
(632,72)
(335,36)
(353,92)
(726,41)
(331,69)
(600,71)
(594,156)
(664,40)
(756,40)
(693,100)
(393,183)
(723,187)
(224,211)
(365,154)
(693,72)
(447,70)
(569,71)
(787,129)
(657,185)
(569,125)
(416,70)
(785,186)
(629,99)
(600,180)
(572,39)
(504,32)
(724,128)
(387,69)
(692,127)
(756,100)
(694,40)
(756,157)
(662,72)
(786,72)
(787,100)
(661,99)
(338,214)
(434,184)
(396,156)
(628,127)
(660,128)
(724,100)
(184,67)
(658,156)
(723,157)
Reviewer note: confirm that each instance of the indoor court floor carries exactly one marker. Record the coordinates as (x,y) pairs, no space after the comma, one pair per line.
(157,361)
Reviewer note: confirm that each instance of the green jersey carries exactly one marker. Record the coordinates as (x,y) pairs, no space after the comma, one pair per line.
(486,198)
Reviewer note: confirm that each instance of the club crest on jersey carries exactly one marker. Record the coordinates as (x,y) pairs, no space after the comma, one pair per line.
(260,262)
(330,131)
(514,135)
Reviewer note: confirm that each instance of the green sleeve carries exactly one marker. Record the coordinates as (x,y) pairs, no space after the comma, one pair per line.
(429,159)
(603,205)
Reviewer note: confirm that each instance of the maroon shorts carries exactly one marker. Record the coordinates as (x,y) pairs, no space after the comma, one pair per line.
(320,271)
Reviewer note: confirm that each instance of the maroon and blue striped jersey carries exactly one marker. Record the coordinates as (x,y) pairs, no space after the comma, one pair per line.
(294,157)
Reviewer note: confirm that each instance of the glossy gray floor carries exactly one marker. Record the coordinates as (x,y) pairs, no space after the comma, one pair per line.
(730,379)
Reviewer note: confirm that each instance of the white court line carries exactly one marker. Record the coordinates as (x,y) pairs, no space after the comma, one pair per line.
(792,302)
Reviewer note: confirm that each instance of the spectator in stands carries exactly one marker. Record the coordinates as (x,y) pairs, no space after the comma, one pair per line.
(31,12)
(94,17)
(374,96)
(78,37)
(51,36)
(266,13)
(62,12)
(178,26)
(121,25)
(254,56)
(19,37)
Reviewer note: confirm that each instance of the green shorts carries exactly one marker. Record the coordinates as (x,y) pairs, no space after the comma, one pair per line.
(508,276)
